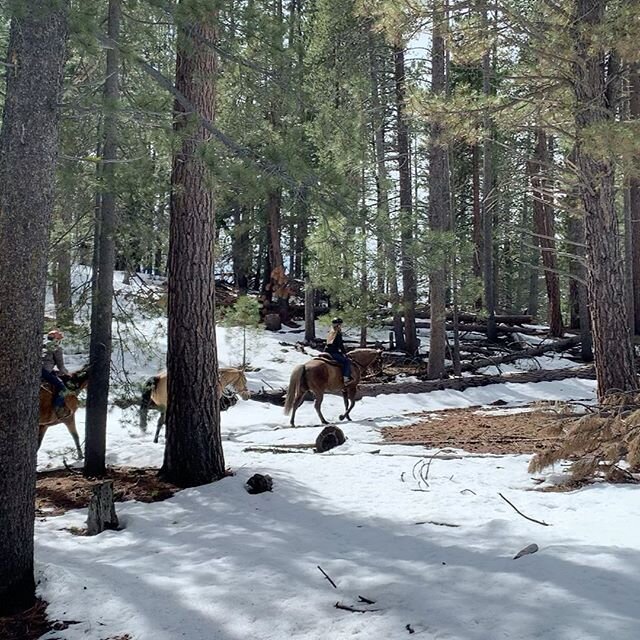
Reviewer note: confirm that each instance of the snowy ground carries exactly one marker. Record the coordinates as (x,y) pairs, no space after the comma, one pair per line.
(216,563)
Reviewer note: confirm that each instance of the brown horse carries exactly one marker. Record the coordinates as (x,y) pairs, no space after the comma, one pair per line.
(155,394)
(323,374)
(75,383)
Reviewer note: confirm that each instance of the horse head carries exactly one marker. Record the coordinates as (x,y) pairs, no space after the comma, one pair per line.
(77,380)
(235,379)
(365,357)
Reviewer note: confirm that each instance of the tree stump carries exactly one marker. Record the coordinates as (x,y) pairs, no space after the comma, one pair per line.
(273,322)
(102,511)
(329,438)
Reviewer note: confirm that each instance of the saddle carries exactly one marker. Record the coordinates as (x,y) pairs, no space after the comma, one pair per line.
(326,357)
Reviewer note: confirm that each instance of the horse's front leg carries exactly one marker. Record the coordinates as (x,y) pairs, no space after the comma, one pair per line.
(352,399)
(317,404)
(345,397)
(71,427)
(159,426)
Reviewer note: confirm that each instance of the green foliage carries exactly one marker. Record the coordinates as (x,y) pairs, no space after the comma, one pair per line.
(244,316)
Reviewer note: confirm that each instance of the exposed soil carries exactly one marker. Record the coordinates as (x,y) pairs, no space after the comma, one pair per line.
(479,430)
(30,624)
(62,489)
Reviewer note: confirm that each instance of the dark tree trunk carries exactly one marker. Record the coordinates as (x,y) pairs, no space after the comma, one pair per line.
(634,195)
(439,204)
(62,283)
(278,286)
(544,228)
(594,87)
(488,195)
(28,150)
(409,287)
(241,249)
(193,452)
(309,311)
(478,254)
(104,260)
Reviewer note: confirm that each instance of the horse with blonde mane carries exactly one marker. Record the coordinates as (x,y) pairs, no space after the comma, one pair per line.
(322,374)
(154,394)
(75,382)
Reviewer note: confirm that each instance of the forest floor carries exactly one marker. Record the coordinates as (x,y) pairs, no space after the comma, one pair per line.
(59,490)
(479,429)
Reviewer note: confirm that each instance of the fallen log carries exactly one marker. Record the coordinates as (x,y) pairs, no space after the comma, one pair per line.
(277,396)
(557,345)
(479,328)
(474,317)
(460,384)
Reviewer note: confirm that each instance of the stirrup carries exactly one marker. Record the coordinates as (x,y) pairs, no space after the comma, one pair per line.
(347,380)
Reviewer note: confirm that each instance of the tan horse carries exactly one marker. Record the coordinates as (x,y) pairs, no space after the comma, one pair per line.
(75,383)
(155,394)
(322,374)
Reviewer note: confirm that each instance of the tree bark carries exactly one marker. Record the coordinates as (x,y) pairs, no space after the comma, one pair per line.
(478,250)
(544,227)
(309,311)
(62,284)
(634,195)
(439,204)
(593,85)
(241,249)
(104,261)
(193,452)
(488,193)
(409,287)
(28,151)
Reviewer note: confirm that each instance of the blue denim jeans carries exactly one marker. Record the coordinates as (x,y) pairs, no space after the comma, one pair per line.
(345,362)
(57,384)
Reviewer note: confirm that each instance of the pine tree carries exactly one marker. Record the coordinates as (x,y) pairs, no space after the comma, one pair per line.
(28,152)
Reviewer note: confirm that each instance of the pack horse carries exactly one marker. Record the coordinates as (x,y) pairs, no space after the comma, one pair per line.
(154,394)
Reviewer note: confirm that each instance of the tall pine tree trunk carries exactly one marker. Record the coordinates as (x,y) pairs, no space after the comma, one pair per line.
(489,195)
(193,452)
(62,282)
(478,251)
(544,228)
(28,151)
(104,261)
(439,204)
(593,85)
(241,248)
(386,262)
(409,287)
(634,195)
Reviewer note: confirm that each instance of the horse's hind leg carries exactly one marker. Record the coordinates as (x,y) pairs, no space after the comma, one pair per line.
(71,426)
(161,420)
(41,431)
(345,397)
(298,401)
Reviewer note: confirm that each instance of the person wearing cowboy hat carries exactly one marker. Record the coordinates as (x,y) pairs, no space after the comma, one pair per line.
(52,358)
(336,348)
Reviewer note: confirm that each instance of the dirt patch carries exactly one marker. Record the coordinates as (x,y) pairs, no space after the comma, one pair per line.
(30,624)
(60,490)
(478,430)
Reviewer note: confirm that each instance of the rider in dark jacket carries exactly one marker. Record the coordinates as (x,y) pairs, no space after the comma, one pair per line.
(335,347)
(52,357)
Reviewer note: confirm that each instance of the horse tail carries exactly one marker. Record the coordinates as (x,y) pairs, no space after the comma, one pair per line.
(297,384)
(145,401)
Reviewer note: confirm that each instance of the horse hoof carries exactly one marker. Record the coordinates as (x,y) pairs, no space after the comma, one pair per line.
(341,417)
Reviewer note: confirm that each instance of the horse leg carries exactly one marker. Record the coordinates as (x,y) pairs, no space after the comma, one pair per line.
(345,397)
(71,427)
(317,404)
(298,401)
(41,431)
(352,399)
(159,426)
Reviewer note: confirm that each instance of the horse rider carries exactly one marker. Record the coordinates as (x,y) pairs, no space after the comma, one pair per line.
(335,347)
(53,357)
